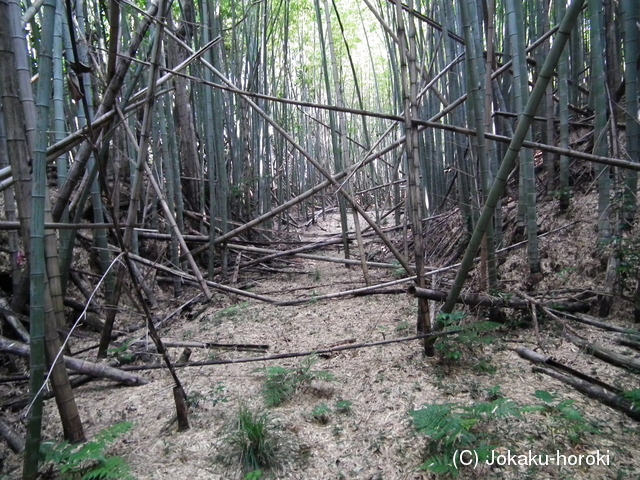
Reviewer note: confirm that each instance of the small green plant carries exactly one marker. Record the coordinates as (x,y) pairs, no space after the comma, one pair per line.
(403,328)
(566,272)
(398,270)
(122,353)
(566,421)
(252,442)
(383,331)
(485,366)
(89,461)
(320,414)
(194,399)
(216,395)
(628,250)
(468,340)
(281,383)
(494,393)
(344,406)
(634,397)
(230,312)
(317,275)
(452,427)
(255,475)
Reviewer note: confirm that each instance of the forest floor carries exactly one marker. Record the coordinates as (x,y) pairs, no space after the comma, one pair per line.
(358,425)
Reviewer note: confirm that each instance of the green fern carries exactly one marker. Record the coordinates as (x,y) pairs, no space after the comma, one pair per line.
(112,468)
(566,421)
(89,461)
(452,427)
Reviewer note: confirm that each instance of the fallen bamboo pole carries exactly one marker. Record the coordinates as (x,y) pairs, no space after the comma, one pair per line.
(536,357)
(481,300)
(294,354)
(589,320)
(81,366)
(610,399)
(609,356)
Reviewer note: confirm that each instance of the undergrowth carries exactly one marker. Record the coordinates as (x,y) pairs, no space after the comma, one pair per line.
(481,428)
(255,443)
(564,421)
(469,341)
(452,427)
(88,461)
(281,383)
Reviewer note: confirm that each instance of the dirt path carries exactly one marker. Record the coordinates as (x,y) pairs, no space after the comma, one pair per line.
(374,437)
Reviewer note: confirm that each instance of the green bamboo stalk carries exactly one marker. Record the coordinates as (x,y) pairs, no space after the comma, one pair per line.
(527,213)
(600,106)
(564,192)
(510,159)
(337,141)
(631,15)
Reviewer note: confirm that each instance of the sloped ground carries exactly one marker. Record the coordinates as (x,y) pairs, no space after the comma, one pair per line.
(375,437)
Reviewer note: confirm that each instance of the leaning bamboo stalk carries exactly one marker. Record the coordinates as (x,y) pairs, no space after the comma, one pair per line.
(77,169)
(510,159)
(276,211)
(308,157)
(80,366)
(186,276)
(174,226)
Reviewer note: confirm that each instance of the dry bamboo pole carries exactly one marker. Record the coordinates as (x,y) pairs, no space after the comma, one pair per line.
(284,253)
(14,440)
(603,353)
(14,321)
(594,391)
(186,276)
(81,366)
(319,351)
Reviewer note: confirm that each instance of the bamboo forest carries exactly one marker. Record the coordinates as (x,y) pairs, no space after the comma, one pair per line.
(319,239)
